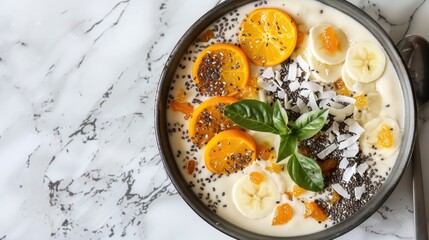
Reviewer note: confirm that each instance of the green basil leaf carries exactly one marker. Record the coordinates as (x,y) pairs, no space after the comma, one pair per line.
(287,146)
(280,118)
(308,124)
(305,172)
(252,114)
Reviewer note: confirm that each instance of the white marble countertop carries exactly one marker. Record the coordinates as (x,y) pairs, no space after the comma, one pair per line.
(78,158)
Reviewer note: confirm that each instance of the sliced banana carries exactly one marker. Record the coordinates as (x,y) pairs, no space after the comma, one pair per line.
(367,107)
(323,72)
(320,36)
(381,138)
(255,200)
(355,85)
(365,62)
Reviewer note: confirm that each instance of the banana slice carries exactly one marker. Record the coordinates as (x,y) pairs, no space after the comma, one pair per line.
(381,138)
(365,62)
(328,44)
(355,85)
(255,200)
(323,72)
(367,107)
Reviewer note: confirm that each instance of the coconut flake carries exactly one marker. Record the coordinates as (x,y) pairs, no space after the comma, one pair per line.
(349,121)
(361,169)
(268,73)
(331,137)
(340,118)
(303,64)
(350,153)
(293,86)
(293,67)
(270,86)
(348,173)
(356,128)
(335,128)
(328,150)
(343,164)
(340,190)
(295,109)
(288,104)
(359,191)
(344,99)
(277,77)
(344,111)
(348,142)
(312,86)
(354,146)
(336,105)
(343,137)
(323,103)
(312,102)
(301,105)
(281,94)
(328,95)
(305,93)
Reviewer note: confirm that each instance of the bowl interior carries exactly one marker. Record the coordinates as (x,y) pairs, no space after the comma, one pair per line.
(198,206)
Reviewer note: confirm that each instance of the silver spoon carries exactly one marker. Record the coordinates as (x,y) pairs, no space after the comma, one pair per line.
(415,52)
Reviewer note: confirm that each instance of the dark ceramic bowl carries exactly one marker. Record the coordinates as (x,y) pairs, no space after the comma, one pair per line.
(223,225)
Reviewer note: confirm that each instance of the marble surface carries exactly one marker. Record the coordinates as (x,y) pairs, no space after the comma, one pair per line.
(78,158)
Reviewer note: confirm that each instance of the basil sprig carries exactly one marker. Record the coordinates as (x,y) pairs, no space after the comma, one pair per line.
(259,116)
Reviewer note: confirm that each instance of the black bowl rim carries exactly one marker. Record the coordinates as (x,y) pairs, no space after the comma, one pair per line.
(223,225)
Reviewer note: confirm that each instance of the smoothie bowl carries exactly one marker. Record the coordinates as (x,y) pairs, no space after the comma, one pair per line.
(285,118)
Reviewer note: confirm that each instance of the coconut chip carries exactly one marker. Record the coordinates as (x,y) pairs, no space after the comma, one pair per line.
(361,169)
(348,142)
(349,121)
(348,173)
(277,77)
(293,86)
(331,137)
(343,137)
(328,150)
(344,99)
(288,104)
(344,111)
(312,102)
(356,128)
(268,73)
(268,85)
(281,94)
(293,67)
(340,118)
(302,64)
(350,153)
(335,128)
(305,93)
(295,109)
(340,190)
(328,95)
(359,191)
(343,164)
(312,86)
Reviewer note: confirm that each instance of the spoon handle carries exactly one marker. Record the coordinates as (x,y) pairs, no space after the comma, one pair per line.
(420,221)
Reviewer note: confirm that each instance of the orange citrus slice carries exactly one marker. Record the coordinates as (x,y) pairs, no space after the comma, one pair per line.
(207,119)
(221,69)
(229,152)
(268,36)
